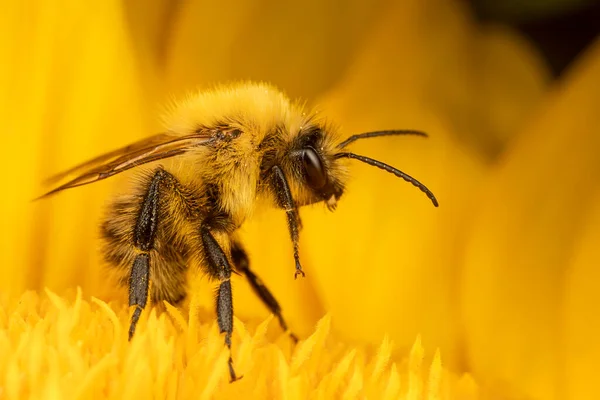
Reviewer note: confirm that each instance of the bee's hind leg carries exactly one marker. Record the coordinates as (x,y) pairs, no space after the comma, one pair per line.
(144,235)
(138,288)
(242,264)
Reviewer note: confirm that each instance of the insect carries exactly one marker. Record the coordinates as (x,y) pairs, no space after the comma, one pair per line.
(232,145)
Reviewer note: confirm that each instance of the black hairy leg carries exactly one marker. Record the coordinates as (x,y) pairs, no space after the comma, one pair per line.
(138,288)
(242,264)
(219,268)
(284,198)
(148,217)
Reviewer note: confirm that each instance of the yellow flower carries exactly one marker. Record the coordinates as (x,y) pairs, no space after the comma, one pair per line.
(57,348)
(490,296)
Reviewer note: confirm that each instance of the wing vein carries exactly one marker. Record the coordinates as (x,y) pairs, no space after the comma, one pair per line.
(154,148)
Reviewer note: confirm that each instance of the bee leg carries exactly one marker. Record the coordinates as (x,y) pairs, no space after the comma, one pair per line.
(144,234)
(242,263)
(283,194)
(138,288)
(219,268)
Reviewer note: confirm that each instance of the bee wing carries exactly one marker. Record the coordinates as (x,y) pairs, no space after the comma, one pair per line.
(154,148)
(110,156)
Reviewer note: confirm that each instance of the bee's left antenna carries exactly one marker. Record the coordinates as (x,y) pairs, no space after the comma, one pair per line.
(367,135)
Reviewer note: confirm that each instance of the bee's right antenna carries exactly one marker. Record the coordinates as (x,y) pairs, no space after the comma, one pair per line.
(380,133)
(392,170)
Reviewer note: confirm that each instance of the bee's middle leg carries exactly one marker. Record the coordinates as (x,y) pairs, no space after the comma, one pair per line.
(242,264)
(220,268)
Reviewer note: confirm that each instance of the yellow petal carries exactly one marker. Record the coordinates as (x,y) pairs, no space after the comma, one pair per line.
(301,47)
(518,255)
(581,350)
(42,362)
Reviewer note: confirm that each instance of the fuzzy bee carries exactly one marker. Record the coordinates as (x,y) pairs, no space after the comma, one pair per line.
(234,144)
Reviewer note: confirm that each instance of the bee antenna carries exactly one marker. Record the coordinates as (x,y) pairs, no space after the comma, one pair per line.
(366,135)
(391,170)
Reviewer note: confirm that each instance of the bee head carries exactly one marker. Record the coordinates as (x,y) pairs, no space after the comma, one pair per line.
(318,176)
(312,167)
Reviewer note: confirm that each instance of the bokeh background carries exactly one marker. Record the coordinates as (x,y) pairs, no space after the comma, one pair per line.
(502,278)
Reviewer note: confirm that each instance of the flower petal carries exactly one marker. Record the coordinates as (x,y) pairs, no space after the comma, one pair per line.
(518,254)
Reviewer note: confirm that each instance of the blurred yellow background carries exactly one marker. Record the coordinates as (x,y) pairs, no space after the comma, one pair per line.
(501,278)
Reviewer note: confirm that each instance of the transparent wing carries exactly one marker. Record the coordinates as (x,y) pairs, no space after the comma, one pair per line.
(154,148)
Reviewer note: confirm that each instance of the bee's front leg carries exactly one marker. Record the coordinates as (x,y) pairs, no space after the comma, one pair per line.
(218,267)
(284,198)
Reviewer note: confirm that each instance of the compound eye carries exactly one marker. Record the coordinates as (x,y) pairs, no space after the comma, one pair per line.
(315,174)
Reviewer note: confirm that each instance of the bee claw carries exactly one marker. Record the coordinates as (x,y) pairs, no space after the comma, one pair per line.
(298,270)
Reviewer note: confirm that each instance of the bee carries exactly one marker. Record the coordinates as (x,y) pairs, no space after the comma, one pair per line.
(236,144)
